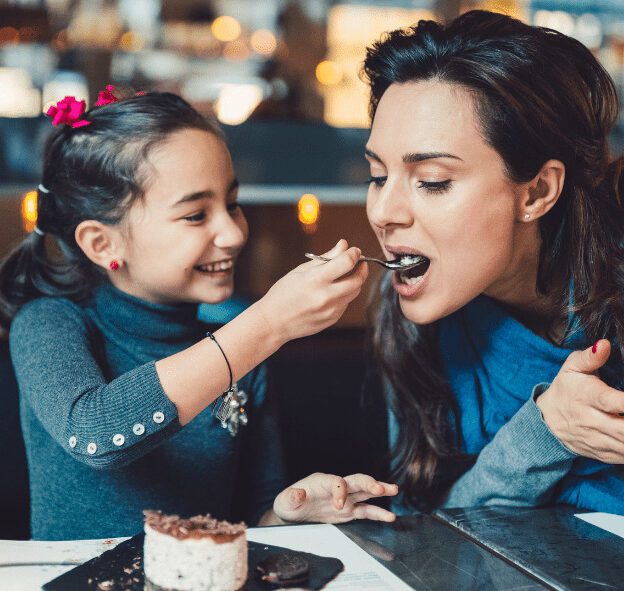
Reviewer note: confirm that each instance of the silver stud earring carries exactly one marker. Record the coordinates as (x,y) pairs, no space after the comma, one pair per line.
(527,216)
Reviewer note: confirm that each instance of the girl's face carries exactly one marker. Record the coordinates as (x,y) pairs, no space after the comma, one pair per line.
(439,190)
(184,236)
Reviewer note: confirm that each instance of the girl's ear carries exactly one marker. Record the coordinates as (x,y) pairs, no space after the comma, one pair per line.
(541,193)
(100,243)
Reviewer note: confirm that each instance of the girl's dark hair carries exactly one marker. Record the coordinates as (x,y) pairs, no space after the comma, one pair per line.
(538,95)
(94,172)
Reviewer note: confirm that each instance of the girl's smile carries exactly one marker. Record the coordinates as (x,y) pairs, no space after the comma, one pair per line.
(217,269)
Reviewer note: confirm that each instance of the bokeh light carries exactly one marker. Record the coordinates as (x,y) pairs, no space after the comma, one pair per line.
(226,28)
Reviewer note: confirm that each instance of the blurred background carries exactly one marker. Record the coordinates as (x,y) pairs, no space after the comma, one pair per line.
(283,78)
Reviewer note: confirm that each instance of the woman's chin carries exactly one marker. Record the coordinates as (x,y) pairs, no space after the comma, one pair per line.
(419,312)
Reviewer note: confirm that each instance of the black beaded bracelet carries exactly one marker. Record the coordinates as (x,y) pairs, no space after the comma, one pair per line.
(211,336)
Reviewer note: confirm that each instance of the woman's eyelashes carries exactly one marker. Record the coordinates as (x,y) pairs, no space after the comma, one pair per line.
(435,187)
(233,206)
(429,186)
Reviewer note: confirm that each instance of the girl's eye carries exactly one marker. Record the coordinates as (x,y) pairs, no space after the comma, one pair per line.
(231,207)
(435,187)
(196,217)
(378,181)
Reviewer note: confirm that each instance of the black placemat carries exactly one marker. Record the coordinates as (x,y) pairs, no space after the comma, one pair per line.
(123,568)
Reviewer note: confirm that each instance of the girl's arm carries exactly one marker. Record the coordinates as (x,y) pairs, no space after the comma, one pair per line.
(108,424)
(576,415)
(520,466)
(104,424)
(305,301)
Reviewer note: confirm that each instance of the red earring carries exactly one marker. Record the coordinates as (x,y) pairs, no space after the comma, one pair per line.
(114,265)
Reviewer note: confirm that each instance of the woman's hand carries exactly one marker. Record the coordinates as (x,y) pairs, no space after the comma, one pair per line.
(314,295)
(582,411)
(326,498)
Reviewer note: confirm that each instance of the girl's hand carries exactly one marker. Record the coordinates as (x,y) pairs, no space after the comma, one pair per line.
(314,295)
(326,498)
(582,411)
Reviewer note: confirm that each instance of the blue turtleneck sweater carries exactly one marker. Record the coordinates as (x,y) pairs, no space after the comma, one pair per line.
(103,440)
(496,367)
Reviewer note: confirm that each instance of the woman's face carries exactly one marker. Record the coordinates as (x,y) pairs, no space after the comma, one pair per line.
(185,235)
(439,190)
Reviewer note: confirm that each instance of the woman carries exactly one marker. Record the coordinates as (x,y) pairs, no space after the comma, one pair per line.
(488,155)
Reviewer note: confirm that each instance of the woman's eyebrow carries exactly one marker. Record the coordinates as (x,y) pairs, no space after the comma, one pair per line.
(203,194)
(420,156)
(414,156)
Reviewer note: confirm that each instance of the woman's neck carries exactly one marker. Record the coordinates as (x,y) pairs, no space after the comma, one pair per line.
(517,293)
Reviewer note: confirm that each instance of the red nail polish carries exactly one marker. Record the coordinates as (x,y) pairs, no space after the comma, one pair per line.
(595,347)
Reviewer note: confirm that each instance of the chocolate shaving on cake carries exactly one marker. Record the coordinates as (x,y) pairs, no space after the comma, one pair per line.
(199,526)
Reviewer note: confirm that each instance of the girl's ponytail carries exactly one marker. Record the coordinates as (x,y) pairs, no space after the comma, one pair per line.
(20,273)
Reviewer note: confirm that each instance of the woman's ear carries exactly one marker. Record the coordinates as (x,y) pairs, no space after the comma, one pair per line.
(101,244)
(542,192)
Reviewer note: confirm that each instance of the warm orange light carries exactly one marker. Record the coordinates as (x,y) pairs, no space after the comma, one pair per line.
(29,210)
(131,41)
(226,28)
(328,73)
(263,42)
(308,209)
(236,51)
(9,36)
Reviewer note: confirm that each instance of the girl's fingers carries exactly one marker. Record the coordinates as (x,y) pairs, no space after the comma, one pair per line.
(337,488)
(607,400)
(340,265)
(353,279)
(365,483)
(389,490)
(590,360)
(291,500)
(341,246)
(365,511)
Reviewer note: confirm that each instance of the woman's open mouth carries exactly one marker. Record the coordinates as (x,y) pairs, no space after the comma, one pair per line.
(410,282)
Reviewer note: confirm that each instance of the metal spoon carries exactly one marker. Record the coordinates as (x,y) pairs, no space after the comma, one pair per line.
(404,263)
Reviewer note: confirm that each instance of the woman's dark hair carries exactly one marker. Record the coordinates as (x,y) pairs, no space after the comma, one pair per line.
(94,172)
(539,95)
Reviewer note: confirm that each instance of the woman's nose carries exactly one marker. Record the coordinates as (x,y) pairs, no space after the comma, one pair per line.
(389,206)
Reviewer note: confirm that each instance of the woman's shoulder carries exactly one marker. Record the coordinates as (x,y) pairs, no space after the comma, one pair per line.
(48,313)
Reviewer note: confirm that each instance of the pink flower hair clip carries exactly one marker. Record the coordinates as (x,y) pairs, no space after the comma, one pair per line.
(68,111)
(105,97)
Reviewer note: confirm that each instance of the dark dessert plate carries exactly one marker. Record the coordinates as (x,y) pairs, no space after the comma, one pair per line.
(122,569)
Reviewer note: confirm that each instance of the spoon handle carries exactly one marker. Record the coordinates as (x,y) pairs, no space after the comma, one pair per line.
(318,257)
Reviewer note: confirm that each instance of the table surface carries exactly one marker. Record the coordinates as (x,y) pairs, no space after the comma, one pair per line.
(463,549)
(429,554)
(550,544)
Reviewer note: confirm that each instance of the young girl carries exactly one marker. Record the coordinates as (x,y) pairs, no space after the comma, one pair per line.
(488,155)
(120,386)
